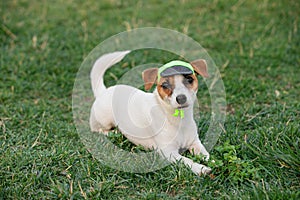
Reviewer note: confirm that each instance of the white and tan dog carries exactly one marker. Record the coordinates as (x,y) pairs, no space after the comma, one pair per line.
(148,119)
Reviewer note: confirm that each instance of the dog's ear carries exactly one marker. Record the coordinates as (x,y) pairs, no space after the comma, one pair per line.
(149,77)
(200,67)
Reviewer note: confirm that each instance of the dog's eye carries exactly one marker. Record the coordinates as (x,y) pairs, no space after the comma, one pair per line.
(188,80)
(166,85)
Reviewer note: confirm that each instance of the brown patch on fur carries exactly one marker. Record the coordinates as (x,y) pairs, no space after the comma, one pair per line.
(200,67)
(149,77)
(164,91)
(191,86)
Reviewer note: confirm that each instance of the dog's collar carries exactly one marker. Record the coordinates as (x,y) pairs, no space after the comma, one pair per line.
(179,67)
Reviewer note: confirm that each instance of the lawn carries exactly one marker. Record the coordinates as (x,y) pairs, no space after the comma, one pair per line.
(255,45)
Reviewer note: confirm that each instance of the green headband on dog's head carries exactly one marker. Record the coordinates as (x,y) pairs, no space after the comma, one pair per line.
(174,68)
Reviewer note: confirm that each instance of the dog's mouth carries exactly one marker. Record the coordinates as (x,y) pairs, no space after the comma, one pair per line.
(182,106)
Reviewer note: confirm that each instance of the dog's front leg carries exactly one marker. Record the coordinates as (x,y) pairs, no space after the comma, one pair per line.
(174,156)
(197,148)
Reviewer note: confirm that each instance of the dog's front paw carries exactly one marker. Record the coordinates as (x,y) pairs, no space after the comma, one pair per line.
(206,170)
(206,157)
(200,169)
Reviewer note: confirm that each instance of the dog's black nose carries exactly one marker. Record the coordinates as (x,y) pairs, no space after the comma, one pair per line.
(181,99)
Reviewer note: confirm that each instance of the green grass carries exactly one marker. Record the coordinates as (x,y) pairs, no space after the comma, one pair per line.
(254,43)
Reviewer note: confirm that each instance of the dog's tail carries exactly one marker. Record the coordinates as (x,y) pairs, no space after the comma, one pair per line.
(99,68)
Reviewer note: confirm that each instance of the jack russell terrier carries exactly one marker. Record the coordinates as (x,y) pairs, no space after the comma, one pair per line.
(162,120)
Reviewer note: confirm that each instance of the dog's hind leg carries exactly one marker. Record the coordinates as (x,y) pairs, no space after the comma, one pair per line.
(103,126)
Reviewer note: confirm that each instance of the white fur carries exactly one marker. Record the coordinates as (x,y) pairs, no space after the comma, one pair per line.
(144,118)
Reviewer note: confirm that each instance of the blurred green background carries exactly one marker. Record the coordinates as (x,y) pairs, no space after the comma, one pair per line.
(255,44)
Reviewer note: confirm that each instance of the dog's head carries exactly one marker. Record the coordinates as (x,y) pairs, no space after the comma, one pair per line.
(176,81)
